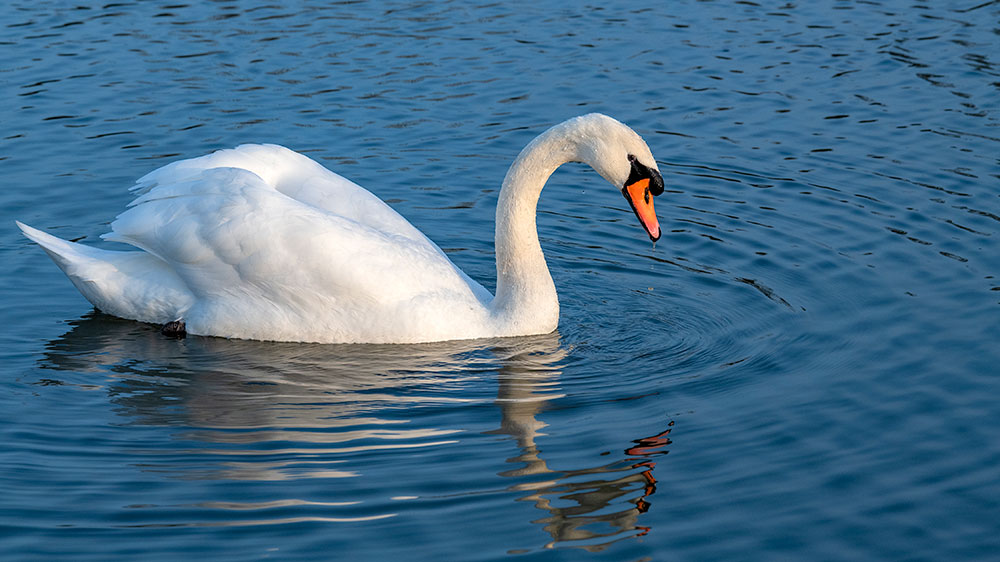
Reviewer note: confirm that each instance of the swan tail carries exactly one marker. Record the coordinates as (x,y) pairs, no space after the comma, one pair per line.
(131,284)
(65,253)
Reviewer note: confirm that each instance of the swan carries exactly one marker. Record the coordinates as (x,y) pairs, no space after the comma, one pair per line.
(260,242)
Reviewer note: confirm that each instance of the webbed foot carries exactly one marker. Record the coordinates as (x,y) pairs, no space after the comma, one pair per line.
(175,329)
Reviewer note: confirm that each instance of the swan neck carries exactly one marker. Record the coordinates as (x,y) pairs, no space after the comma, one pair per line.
(525,291)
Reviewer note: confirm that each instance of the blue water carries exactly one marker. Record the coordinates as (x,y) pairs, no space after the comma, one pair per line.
(805,366)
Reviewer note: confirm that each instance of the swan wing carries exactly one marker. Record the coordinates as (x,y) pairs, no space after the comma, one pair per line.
(257,258)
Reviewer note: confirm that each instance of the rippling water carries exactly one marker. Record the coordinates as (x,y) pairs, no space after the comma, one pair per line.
(814,341)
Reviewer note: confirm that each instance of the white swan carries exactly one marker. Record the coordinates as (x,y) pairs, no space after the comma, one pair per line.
(260,242)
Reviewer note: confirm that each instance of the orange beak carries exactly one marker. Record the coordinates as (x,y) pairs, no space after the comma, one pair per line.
(641,200)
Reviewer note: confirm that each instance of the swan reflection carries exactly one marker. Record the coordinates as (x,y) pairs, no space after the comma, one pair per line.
(271,411)
(586,507)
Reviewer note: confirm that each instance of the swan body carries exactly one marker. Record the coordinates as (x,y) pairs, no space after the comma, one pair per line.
(260,242)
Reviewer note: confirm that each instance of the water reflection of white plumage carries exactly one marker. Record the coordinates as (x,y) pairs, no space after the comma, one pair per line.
(246,410)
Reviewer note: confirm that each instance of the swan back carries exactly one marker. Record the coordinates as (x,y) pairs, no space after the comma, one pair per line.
(292,174)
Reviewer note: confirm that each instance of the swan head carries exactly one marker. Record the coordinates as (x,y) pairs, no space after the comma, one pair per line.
(621,156)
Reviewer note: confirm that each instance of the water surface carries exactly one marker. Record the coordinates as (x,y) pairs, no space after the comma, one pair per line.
(804,366)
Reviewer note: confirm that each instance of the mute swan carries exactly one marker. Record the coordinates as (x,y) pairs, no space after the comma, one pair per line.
(260,242)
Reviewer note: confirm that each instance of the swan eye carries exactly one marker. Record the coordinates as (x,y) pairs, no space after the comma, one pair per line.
(640,172)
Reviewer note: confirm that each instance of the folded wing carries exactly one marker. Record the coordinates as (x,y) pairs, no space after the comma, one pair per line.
(286,236)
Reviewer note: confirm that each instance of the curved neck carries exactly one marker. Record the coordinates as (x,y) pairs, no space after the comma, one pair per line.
(525,295)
